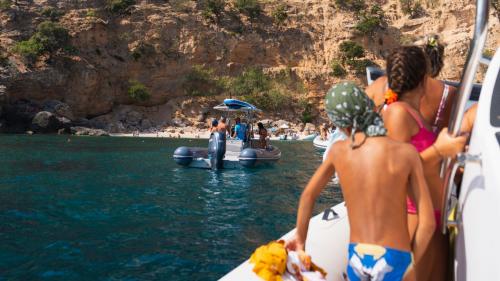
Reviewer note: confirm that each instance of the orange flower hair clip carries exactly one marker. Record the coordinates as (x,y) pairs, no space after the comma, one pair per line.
(390,96)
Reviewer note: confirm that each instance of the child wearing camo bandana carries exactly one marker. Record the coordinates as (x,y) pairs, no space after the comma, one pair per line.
(376,175)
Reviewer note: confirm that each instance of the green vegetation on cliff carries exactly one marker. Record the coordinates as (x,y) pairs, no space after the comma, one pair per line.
(202,81)
(337,69)
(5,4)
(52,13)
(370,20)
(49,38)
(137,91)
(120,6)
(351,50)
(413,8)
(350,5)
(269,92)
(213,9)
(280,14)
(251,8)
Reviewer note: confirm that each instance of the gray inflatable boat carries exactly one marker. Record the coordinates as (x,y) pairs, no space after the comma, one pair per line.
(223,153)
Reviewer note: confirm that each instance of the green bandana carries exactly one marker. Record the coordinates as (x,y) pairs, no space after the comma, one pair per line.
(348,106)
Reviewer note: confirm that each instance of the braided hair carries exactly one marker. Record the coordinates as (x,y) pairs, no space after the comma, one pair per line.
(435,53)
(406,69)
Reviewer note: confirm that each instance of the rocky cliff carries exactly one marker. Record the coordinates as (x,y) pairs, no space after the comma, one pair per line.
(159,43)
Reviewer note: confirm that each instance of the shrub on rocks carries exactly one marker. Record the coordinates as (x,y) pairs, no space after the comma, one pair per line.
(49,38)
(359,66)
(201,81)
(413,8)
(138,92)
(351,50)
(213,9)
(280,14)
(252,80)
(5,4)
(120,6)
(251,8)
(370,21)
(351,5)
(337,69)
(52,13)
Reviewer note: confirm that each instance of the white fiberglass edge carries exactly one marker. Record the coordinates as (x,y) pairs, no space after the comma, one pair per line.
(477,244)
(327,243)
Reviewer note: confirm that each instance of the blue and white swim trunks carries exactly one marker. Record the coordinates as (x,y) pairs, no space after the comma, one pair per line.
(376,263)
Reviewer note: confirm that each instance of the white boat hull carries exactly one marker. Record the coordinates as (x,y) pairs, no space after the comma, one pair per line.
(320,144)
(327,244)
(477,244)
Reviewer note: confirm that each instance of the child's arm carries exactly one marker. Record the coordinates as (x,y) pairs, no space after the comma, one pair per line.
(426,221)
(318,181)
(469,118)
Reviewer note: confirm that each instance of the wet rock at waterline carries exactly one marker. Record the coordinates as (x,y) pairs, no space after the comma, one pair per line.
(46,122)
(59,108)
(82,131)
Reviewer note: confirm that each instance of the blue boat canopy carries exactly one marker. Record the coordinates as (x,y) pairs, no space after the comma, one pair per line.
(237,105)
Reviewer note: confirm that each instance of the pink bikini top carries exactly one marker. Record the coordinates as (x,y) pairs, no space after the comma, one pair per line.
(422,140)
(425,137)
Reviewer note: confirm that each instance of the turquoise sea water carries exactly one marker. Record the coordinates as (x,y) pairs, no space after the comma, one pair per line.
(121,209)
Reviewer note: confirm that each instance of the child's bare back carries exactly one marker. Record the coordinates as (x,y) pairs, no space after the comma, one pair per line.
(375,179)
(376,175)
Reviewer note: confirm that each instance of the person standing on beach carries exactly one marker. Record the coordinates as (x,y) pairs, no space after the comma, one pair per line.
(380,246)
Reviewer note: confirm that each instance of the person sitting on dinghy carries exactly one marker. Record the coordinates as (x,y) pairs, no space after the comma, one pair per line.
(240,130)
(262,135)
(380,247)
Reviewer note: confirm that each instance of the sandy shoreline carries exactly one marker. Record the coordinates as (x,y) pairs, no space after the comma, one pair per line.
(182,134)
(200,135)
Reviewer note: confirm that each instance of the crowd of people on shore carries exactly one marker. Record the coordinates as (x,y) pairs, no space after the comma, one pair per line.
(397,138)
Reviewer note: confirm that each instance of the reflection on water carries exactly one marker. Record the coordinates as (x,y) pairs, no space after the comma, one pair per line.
(120,208)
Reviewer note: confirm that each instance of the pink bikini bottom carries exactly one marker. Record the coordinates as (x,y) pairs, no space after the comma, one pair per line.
(412,209)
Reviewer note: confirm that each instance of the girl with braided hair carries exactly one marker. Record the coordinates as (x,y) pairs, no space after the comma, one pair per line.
(407,70)
(435,105)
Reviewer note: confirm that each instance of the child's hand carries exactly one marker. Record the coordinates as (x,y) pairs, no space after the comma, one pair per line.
(294,244)
(449,146)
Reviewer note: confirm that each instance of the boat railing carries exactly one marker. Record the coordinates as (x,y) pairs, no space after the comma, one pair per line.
(474,58)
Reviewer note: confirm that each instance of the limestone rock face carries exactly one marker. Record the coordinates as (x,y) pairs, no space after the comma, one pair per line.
(59,109)
(19,114)
(159,42)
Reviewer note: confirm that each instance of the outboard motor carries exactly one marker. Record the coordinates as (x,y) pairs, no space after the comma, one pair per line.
(183,156)
(217,150)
